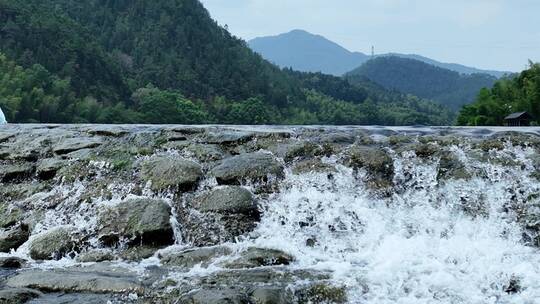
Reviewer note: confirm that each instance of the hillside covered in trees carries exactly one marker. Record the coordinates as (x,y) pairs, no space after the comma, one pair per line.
(508,95)
(167,61)
(424,80)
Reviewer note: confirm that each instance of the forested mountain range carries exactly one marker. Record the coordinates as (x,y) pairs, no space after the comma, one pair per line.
(307,52)
(167,61)
(509,95)
(424,80)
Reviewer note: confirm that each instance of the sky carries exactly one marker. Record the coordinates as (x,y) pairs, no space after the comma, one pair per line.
(489,34)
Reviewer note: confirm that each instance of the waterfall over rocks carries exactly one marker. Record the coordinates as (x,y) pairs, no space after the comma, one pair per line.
(2,118)
(215,214)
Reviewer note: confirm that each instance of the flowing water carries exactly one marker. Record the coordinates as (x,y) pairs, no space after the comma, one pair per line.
(427,240)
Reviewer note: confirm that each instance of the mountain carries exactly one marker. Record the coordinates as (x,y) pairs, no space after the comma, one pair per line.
(509,95)
(307,52)
(423,80)
(167,61)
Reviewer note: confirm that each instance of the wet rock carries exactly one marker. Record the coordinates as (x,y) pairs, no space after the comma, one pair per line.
(69,145)
(313,166)
(229,295)
(228,200)
(12,238)
(53,244)
(206,152)
(77,280)
(302,150)
(227,137)
(426,150)
(9,215)
(47,168)
(94,256)
(490,144)
(257,257)
(375,161)
(107,130)
(187,259)
(15,172)
(12,262)
(166,172)
(451,167)
(250,166)
(322,294)
(271,295)
(18,295)
(139,253)
(140,221)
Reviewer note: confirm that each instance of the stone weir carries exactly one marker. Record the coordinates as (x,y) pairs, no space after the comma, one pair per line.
(222,214)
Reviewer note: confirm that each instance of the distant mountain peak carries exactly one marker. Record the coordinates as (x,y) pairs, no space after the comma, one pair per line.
(308,52)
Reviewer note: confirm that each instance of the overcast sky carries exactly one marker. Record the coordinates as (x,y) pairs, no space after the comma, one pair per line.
(489,34)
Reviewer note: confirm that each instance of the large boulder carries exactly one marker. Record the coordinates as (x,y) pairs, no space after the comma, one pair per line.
(12,238)
(228,200)
(250,166)
(140,221)
(53,244)
(166,172)
(18,295)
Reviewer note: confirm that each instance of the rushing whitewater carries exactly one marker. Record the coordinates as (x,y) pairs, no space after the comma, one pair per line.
(2,117)
(322,215)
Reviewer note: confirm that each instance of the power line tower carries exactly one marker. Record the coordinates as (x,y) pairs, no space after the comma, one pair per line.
(372,51)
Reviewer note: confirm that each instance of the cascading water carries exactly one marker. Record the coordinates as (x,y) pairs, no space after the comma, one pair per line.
(2,118)
(372,216)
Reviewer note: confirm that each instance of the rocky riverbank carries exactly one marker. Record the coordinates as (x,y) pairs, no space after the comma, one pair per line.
(185,214)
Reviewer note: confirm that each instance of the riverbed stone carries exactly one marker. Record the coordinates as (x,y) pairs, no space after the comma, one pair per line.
(18,295)
(228,200)
(189,258)
(53,244)
(376,161)
(140,221)
(15,172)
(69,145)
(47,168)
(171,172)
(258,257)
(451,167)
(12,262)
(249,166)
(12,238)
(77,280)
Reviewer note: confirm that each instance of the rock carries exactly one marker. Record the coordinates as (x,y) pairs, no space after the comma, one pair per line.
(166,172)
(426,150)
(9,215)
(375,161)
(304,149)
(53,244)
(15,172)
(107,130)
(14,237)
(18,295)
(12,262)
(69,145)
(187,259)
(94,256)
(313,166)
(228,200)
(451,167)
(77,280)
(490,144)
(47,168)
(250,166)
(322,294)
(224,295)
(271,295)
(139,253)
(205,152)
(257,257)
(140,221)
(227,137)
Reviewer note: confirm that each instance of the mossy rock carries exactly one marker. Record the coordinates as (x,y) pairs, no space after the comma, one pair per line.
(53,244)
(171,172)
(323,294)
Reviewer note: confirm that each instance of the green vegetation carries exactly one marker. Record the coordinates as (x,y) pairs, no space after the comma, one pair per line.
(508,95)
(167,61)
(423,80)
